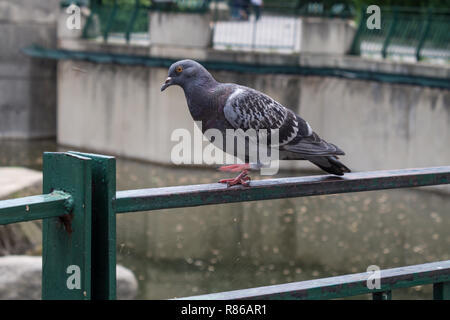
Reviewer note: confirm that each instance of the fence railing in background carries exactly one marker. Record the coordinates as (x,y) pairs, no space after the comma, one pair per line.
(123,21)
(274,27)
(311,8)
(405,33)
(277,28)
(120,21)
(412,33)
(80,203)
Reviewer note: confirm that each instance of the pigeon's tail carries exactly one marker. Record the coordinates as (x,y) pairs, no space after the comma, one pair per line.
(329,164)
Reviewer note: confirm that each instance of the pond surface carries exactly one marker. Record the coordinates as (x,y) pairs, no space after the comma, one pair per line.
(191,251)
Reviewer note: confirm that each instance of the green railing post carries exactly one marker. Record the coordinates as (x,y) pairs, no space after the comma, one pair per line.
(88,23)
(441,291)
(79,229)
(132,20)
(66,257)
(390,33)
(355,47)
(103,226)
(424,34)
(110,21)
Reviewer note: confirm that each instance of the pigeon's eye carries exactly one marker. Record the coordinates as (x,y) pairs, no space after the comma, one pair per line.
(179,69)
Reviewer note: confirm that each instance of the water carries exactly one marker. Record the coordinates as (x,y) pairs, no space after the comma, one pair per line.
(190,251)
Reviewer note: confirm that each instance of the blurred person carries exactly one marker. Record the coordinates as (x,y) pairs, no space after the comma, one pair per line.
(239,9)
(245,9)
(256,6)
(234,9)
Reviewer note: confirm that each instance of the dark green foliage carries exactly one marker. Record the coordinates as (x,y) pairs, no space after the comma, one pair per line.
(124,2)
(405,3)
(360,3)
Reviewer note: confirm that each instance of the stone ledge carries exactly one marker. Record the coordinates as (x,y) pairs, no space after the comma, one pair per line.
(21,279)
(13,179)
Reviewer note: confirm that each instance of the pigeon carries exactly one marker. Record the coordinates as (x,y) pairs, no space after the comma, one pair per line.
(224,106)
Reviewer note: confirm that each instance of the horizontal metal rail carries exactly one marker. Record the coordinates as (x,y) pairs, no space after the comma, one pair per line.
(38,207)
(437,273)
(215,193)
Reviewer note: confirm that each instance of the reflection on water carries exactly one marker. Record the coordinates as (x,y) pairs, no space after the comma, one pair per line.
(190,251)
(25,153)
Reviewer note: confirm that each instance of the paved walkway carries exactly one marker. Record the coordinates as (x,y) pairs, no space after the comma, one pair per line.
(13,179)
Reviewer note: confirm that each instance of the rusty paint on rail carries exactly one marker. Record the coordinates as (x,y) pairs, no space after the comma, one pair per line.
(216,193)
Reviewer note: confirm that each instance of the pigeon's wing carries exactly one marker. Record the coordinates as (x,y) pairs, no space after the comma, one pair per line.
(246,109)
(312,145)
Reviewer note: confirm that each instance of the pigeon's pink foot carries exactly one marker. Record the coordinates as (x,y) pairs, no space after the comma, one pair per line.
(242,178)
(235,167)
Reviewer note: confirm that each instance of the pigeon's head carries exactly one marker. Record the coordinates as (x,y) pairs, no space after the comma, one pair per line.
(185,72)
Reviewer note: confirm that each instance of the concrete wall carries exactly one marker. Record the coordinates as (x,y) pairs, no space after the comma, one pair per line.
(27,86)
(120,110)
(379,125)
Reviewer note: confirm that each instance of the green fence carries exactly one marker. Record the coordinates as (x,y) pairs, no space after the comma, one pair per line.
(411,32)
(123,20)
(312,8)
(106,20)
(80,203)
(418,33)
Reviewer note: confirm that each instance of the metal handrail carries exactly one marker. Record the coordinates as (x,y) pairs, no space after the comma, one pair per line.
(345,286)
(215,193)
(79,227)
(35,207)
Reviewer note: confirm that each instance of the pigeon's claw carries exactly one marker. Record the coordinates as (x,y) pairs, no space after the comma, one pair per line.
(242,178)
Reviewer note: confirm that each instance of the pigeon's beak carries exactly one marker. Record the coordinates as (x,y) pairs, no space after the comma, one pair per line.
(167,83)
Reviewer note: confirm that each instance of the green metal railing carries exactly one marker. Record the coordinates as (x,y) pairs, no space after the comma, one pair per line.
(349,285)
(80,203)
(116,19)
(410,32)
(123,20)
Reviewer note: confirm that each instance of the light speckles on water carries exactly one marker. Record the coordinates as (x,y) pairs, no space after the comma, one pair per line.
(198,263)
(435,216)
